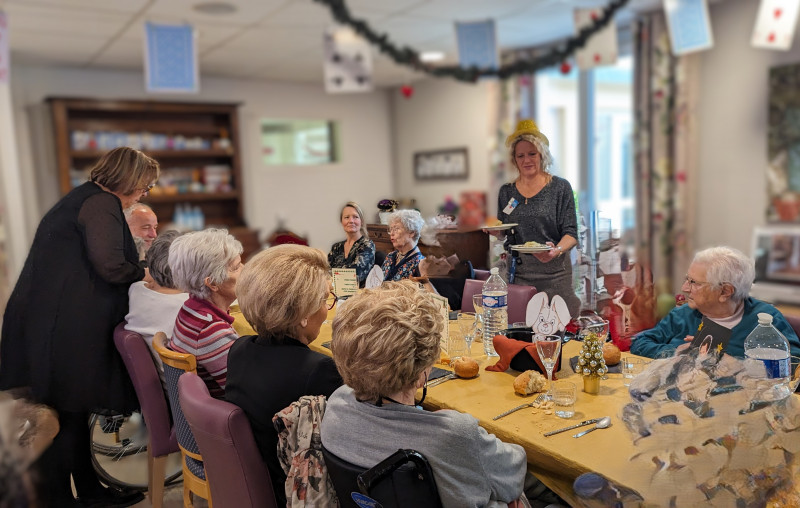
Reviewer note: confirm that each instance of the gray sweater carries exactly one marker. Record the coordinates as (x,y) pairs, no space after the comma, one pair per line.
(472,468)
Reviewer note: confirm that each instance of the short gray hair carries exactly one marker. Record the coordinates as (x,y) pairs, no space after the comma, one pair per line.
(129,211)
(157,258)
(200,254)
(728,265)
(411,220)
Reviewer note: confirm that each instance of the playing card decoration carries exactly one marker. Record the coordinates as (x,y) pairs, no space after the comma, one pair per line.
(348,62)
(601,48)
(775,24)
(689,26)
(170,58)
(477,44)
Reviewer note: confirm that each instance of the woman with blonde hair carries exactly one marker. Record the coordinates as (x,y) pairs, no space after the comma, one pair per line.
(357,250)
(543,206)
(385,342)
(285,294)
(59,321)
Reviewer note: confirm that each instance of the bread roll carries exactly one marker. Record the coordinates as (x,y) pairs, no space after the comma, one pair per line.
(611,353)
(466,367)
(530,382)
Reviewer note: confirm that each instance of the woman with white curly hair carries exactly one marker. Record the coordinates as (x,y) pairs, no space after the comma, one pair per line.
(405,228)
(206,264)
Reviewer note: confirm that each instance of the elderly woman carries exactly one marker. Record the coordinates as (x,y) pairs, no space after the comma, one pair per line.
(405,227)
(206,264)
(154,304)
(357,250)
(59,321)
(385,342)
(717,286)
(285,294)
(543,206)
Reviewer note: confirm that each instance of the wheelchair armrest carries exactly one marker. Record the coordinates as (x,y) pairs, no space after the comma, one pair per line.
(389,465)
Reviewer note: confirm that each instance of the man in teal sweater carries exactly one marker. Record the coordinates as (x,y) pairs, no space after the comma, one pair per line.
(717,285)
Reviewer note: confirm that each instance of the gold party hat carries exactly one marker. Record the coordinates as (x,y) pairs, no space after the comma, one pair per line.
(527,127)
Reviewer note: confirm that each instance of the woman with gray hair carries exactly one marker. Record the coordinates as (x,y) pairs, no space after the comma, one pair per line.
(385,342)
(206,264)
(285,295)
(405,227)
(717,287)
(154,305)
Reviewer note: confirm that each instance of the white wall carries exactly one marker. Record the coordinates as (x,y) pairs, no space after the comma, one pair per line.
(442,114)
(732,116)
(309,198)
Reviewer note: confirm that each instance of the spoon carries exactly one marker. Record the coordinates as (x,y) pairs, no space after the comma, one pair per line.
(604,423)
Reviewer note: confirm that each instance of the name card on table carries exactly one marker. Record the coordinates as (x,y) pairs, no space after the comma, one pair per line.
(444,310)
(345,282)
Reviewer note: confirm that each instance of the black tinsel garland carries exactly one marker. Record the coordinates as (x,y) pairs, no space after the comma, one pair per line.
(409,57)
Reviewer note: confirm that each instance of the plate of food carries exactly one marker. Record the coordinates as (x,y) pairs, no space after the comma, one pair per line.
(496,225)
(531,247)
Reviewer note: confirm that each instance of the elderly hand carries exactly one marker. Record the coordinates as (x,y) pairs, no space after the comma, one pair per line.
(548,255)
(687,342)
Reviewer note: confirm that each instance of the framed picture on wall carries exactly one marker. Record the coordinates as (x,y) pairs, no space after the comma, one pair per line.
(447,164)
(783,142)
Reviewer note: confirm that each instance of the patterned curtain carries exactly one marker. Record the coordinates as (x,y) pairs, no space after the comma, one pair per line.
(665,95)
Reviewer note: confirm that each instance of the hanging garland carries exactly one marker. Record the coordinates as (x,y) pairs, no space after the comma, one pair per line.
(410,58)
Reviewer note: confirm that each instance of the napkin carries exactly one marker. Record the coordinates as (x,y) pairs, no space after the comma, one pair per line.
(374,278)
(510,348)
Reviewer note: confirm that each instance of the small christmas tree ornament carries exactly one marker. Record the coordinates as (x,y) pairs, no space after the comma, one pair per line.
(591,364)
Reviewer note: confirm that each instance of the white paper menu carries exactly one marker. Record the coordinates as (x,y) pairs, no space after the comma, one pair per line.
(345,282)
(444,310)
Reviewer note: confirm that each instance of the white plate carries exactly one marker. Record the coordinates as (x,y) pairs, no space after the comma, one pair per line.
(501,227)
(529,250)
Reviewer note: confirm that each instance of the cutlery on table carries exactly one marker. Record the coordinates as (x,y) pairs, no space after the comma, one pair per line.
(585,422)
(537,400)
(604,423)
(441,380)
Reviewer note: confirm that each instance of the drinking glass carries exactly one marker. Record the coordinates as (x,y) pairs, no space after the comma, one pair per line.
(477,302)
(631,367)
(468,324)
(456,348)
(548,348)
(564,395)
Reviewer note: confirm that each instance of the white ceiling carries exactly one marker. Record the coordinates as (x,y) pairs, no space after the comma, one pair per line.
(273,39)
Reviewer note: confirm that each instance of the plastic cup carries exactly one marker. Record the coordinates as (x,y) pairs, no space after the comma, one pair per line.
(564,395)
(631,367)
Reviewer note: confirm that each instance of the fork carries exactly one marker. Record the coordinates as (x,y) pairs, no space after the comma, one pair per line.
(441,380)
(537,400)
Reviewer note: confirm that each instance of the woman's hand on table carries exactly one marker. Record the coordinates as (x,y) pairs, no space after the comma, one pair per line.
(548,255)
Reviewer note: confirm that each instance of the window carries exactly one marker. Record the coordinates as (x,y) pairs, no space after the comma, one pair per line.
(298,142)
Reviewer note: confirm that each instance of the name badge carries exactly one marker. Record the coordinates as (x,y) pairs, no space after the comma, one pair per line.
(512,203)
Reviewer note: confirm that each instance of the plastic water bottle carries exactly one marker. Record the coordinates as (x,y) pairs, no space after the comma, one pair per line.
(495,310)
(767,344)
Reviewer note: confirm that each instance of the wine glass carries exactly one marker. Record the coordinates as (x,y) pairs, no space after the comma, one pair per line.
(468,324)
(548,348)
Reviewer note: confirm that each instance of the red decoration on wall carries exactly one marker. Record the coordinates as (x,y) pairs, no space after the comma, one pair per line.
(407,91)
(565,68)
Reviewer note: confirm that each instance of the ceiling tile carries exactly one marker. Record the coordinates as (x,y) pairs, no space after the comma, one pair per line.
(247,11)
(42,19)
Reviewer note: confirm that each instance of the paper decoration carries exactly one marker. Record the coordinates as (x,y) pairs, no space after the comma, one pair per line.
(170,58)
(5,58)
(444,310)
(345,282)
(546,319)
(348,62)
(477,44)
(601,49)
(374,278)
(689,25)
(775,24)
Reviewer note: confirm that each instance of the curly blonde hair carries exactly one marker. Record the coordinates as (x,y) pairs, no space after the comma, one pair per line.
(384,338)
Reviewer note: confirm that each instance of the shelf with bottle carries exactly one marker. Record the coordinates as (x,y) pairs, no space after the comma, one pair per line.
(84,143)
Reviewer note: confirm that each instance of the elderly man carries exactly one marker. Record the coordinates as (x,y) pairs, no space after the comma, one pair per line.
(717,286)
(143,224)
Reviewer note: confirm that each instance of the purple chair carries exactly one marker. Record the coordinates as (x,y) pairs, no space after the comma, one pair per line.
(471,287)
(144,375)
(482,274)
(518,298)
(236,472)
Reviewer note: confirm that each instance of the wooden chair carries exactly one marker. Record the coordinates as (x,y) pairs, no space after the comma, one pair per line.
(176,364)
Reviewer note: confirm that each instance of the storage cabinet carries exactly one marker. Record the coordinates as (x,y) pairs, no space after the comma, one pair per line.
(468,244)
(196,144)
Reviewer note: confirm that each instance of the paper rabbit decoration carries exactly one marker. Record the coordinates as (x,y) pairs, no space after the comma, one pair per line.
(544,319)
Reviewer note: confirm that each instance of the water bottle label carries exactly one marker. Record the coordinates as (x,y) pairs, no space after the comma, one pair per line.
(777,368)
(495,302)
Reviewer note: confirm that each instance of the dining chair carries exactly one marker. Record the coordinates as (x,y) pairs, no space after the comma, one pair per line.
(237,473)
(194,473)
(482,274)
(518,298)
(161,433)
(471,287)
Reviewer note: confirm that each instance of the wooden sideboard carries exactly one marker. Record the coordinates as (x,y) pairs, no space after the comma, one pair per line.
(471,244)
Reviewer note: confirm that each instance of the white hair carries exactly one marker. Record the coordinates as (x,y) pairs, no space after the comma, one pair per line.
(728,265)
(136,206)
(200,254)
(411,220)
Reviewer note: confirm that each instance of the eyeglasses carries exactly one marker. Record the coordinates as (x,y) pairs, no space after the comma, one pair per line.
(694,284)
(396,229)
(331,300)
(146,189)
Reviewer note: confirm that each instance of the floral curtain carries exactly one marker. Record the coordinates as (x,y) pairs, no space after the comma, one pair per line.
(665,95)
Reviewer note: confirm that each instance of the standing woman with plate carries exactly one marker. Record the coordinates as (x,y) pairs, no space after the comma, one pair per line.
(544,208)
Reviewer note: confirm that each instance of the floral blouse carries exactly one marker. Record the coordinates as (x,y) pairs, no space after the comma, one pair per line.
(361,257)
(409,268)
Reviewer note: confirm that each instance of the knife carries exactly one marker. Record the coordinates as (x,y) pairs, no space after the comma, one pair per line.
(585,422)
